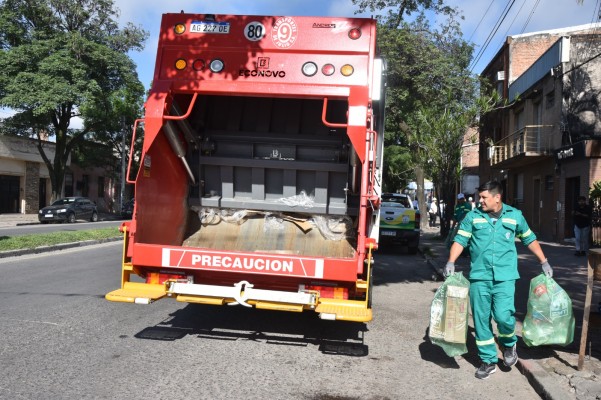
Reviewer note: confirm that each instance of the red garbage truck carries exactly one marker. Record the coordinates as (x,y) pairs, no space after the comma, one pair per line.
(260,172)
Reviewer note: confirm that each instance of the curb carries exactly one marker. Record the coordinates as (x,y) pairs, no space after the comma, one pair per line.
(61,246)
(540,380)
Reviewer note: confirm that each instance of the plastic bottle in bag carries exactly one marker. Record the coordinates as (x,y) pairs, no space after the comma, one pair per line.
(549,319)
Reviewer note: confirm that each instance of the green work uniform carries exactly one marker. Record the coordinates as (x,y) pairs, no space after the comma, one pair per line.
(461,210)
(494,270)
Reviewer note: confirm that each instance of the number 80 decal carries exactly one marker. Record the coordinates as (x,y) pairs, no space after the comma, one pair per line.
(254,31)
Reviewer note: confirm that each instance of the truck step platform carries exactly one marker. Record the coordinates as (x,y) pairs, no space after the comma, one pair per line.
(357,313)
(137,292)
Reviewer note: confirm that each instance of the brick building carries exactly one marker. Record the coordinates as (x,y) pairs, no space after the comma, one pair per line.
(543,143)
(470,163)
(25,182)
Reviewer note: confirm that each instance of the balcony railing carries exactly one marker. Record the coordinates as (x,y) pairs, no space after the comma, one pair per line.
(531,140)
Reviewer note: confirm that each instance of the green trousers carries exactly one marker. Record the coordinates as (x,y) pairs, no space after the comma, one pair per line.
(493,299)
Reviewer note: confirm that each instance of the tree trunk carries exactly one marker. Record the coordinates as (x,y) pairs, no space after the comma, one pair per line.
(421,201)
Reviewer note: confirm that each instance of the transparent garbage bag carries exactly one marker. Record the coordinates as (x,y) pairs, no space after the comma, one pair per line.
(549,318)
(449,315)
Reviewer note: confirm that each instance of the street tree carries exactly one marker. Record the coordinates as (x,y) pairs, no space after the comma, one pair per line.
(62,59)
(427,67)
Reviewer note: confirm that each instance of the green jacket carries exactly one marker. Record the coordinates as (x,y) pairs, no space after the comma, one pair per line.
(492,246)
(461,210)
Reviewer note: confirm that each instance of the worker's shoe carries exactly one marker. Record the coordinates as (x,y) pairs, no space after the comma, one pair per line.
(510,356)
(485,370)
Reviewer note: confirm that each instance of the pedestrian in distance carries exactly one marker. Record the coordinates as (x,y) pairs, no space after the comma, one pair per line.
(472,203)
(489,232)
(583,216)
(433,212)
(461,209)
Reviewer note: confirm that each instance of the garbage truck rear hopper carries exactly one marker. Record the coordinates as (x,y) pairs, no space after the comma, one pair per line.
(259,179)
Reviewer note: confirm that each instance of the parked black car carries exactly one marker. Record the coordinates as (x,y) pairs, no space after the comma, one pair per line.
(69,209)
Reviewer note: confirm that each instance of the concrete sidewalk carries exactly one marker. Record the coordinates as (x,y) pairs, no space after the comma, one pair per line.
(552,370)
(10,220)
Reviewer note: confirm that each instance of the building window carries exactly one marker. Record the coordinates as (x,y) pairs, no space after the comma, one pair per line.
(549,182)
(550,99)
(101,187)
(518,187)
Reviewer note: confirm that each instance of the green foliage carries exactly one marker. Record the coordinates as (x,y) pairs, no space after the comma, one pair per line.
(432,97)
(595,192)
(398,168)
(48,239)
(59,60)
(397,10)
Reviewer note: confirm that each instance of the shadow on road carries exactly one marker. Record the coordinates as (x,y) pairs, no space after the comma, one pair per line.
(269,327)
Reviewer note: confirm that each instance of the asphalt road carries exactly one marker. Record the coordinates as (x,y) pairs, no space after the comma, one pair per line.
(59,339)
(46,228)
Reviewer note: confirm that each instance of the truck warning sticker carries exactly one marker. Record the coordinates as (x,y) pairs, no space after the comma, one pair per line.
(284,32)
(254,31)
(249,263)
(210,27)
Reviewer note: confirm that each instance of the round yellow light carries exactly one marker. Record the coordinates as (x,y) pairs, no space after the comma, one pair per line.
(180,64)
(347,70)
(179,29)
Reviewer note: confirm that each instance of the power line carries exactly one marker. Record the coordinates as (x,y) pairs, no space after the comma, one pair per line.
(514,18)
(481,19)
(530,16)
(492,34)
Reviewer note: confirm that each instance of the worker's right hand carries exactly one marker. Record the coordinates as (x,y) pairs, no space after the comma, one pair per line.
(449,269)
(547,270)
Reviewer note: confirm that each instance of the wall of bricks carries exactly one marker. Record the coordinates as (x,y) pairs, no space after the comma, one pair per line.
(524,51)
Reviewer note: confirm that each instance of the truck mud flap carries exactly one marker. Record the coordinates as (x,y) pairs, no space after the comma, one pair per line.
(137,292)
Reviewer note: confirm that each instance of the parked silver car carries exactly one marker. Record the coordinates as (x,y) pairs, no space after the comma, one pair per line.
(69,209)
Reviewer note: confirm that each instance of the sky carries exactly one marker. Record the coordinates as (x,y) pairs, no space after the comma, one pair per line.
(481,17)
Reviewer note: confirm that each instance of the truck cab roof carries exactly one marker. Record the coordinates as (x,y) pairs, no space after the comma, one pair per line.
(396,200)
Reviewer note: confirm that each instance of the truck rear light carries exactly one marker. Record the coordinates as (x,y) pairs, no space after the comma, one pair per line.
(329,292)
(179,29)
(354,33)
(198,64)
(162,277)
(309,68)
(347,70)
(180,64)
(328,69)
(216,65)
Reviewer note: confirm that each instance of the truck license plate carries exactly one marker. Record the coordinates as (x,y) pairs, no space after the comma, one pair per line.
(388,233)
(210,27)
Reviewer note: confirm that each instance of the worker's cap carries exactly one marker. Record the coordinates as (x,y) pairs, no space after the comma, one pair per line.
(433,198)
(460,196)
(470,198)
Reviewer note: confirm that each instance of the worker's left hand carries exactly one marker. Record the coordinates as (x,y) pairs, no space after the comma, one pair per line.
(547,270)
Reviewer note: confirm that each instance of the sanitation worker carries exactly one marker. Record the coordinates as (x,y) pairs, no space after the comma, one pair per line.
(461,209)
(489,232)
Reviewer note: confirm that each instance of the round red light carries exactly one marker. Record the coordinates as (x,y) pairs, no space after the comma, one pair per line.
(354,33)
(328,69)
(198,64)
